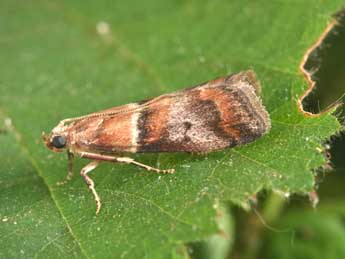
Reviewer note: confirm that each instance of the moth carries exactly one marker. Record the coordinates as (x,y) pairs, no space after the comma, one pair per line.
(215,115)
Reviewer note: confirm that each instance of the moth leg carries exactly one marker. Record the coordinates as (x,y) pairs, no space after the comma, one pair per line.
(126,160)
(69,176)
(129,160)
(84,171)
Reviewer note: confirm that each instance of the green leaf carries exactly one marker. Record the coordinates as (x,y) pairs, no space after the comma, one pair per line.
(59,60)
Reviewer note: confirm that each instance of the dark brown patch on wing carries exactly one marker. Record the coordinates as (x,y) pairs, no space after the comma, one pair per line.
(255,117)
(152,122)
(192,126)
(225,105)
(242,115)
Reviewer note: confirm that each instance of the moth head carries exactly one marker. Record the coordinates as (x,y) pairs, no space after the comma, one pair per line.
(57,140)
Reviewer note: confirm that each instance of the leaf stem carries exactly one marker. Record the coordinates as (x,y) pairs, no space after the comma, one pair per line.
(273,207)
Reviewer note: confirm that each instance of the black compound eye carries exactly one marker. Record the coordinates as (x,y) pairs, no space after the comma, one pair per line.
(59,141)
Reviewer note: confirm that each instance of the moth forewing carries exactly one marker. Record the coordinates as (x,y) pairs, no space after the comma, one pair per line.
(218,114)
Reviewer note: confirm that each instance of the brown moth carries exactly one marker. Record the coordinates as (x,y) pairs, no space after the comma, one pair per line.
(215,115)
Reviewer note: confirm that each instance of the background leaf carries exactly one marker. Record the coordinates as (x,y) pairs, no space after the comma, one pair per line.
(309,234)
(59,60)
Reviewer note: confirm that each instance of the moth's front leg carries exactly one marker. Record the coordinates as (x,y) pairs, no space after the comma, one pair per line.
(84,171)
(69,176)
(126,160)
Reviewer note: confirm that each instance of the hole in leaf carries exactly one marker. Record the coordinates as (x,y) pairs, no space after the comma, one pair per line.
(326,65)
